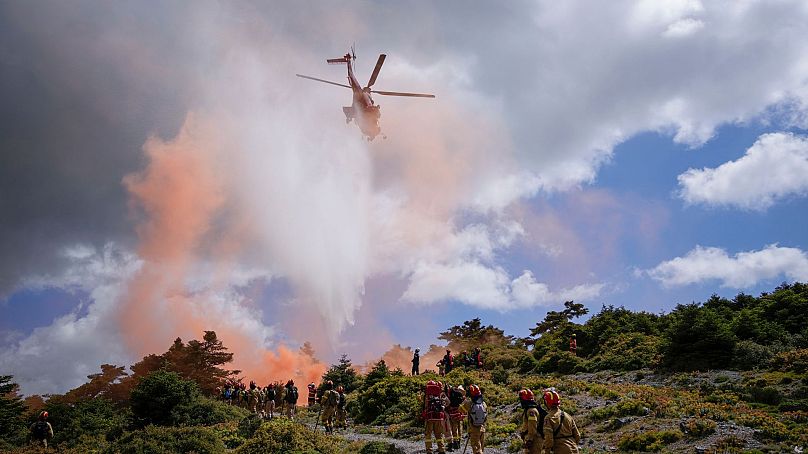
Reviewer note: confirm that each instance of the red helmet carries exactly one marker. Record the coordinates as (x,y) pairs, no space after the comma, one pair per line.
(474,391)
(290,383)
(340,389)
(312,385)
(432,383)
(43,416)
(551,398)
(526,394)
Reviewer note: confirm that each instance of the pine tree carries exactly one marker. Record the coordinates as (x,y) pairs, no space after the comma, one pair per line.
(12,426)
(343,373)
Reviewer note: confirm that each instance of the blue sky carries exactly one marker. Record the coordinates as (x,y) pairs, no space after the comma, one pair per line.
(159,176)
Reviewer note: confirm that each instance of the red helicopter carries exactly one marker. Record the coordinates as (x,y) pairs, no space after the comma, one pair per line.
(363,109)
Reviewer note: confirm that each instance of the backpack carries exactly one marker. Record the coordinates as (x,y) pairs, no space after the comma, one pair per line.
(540,423)
(41,431)
(270,394)
(328,399)
(292,396)
(455,398)
(228,393)
(477,413)
(435,406)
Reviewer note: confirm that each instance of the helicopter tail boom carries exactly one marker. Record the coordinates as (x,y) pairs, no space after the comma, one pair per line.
(336,61)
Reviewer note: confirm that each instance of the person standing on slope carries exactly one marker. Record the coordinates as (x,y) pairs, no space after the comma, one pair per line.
(477,413)
(42,431)
(433,414)
(561,435)
(416,360)
(456,397)
(329,401)
(532,419)
(342,415)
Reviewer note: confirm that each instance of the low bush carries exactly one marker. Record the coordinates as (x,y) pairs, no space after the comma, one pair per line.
(749,355)
(168,440)
(562,362)
(499,376)
(766,395)
(648,441)
(380,447)
(791,361)
(282,435)
(628,351)
(206,412)
(698,427)
(155,397)
(626,407)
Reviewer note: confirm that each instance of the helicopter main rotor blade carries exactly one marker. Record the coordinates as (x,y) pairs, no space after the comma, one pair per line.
(396,93)
(322,80)
(376,70)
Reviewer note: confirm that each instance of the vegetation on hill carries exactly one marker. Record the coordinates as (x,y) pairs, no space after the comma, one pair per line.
(728,373)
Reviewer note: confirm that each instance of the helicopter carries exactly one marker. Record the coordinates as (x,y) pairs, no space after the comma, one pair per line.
(364,111)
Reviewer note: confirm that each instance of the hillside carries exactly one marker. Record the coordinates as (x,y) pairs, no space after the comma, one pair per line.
(722,376)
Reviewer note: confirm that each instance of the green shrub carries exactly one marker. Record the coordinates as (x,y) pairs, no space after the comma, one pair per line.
(698,427)
(380,447)
(499,375)
(767,395)
(791,361)
(527,364)
(168,440)
(749,355)
(626,407)
(94,419)
(206,412)
(562,362)
(155,397)
(648,441)
(249,425)
(628,351)
(282,435)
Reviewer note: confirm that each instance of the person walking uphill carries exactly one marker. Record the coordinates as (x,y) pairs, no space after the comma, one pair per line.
(433,414)
(42,431)
(532,420)
(416,360)
(561,435)
(329,401)
(477,412)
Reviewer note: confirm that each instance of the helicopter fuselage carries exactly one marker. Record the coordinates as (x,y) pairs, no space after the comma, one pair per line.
(363,110)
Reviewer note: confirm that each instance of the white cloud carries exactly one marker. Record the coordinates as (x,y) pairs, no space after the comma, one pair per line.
(487,287)
(742,270)
(775,167)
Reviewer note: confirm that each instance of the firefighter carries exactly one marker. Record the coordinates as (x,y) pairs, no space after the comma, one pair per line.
(477,412)
(531,418)
(573,345)
(561,435)
(434,413)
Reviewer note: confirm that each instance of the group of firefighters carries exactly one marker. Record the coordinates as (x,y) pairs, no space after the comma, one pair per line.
(445,409)
(282,400)
(450,362)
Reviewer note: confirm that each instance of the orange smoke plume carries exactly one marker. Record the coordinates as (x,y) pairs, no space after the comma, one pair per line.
(179,193)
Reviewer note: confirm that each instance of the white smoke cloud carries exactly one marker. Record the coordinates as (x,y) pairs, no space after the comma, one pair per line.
(775,167)
(61,355)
